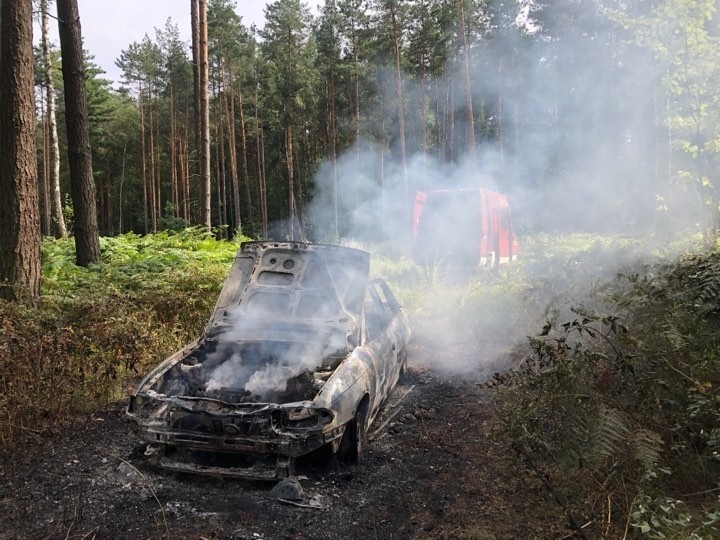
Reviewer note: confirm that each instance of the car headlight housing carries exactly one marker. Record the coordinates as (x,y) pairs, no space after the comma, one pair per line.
(303,418)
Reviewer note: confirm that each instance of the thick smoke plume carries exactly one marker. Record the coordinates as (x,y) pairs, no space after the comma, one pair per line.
(576,150)
(269,341)
(264,368)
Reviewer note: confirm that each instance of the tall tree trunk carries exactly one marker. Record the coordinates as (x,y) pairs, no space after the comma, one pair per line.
(246,172)
(87,241)
(143,152)
(186,178)
(400,100)
(441,124)
(194,154)
(451,131)
(289,136)
(158,162)
(152,195)
(382,159)
(59,227)
(45,218)
(173,154)
(121,230)
(262,189)
(232,148)
(204,114)
(333,136)
(195,49)
(220,173)
(19,214)
(263,178)
(181,162)
(356,115)
(468,88)
(105,200)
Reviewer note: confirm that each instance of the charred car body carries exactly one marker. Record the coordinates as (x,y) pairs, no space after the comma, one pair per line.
(299,355)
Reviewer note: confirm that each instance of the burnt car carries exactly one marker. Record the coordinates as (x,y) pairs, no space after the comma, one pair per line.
(298,357)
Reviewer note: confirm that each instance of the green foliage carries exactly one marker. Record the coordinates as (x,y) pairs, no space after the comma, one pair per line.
(99,328)
(169,221)
(665,517)
(683,35)
(620,390)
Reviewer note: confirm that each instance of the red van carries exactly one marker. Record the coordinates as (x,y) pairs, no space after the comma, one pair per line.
(463,226)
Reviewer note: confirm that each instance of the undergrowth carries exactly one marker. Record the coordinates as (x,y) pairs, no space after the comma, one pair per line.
(97,329)
(618,392)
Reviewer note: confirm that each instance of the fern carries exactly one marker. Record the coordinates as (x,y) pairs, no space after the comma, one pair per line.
(646,446)
(609,435)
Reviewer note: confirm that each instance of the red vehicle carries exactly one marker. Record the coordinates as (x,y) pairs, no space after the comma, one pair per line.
(464,226)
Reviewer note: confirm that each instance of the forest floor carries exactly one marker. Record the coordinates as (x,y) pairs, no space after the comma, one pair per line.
(433,471)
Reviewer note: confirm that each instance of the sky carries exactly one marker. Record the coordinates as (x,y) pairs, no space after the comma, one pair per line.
(109,26)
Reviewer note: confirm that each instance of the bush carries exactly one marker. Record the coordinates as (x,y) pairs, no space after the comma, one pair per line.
(620,394)
(97,329)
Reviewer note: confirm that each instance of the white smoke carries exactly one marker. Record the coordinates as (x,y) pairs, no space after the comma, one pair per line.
(229,374)
(577,152)
(264,371)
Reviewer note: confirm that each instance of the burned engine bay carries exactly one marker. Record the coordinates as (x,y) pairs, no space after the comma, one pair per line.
(251,372)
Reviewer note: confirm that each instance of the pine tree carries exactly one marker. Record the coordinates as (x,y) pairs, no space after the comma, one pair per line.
(87,240)
(290,52)
(19,212)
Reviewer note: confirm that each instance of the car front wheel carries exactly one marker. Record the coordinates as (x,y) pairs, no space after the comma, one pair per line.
(354,439)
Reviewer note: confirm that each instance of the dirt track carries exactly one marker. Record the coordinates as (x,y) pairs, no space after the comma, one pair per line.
(432,472)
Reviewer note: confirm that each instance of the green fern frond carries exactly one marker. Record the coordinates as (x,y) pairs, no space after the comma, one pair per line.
(646,446)
(675,337)
(609,435)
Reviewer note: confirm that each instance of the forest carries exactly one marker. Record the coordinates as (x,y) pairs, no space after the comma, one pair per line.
(314,120)
(591,364)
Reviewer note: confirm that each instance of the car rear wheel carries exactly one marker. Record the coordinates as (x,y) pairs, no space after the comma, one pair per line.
(403,364)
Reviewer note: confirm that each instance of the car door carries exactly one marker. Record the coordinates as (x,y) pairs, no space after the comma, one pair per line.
(387,336)
(396,332)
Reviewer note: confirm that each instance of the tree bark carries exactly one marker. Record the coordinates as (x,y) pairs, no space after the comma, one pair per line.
(45,217)
(204,115)
(19,213)
(220,173)
(232,148)
(60,230)
(82,184)
(173,152)
(400,100)
(262,188)
(186,178)
(356,108)
(333,139)
(194,153)
(143,151)
(246,171)
(152,194)
(468,88)
(289,136)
